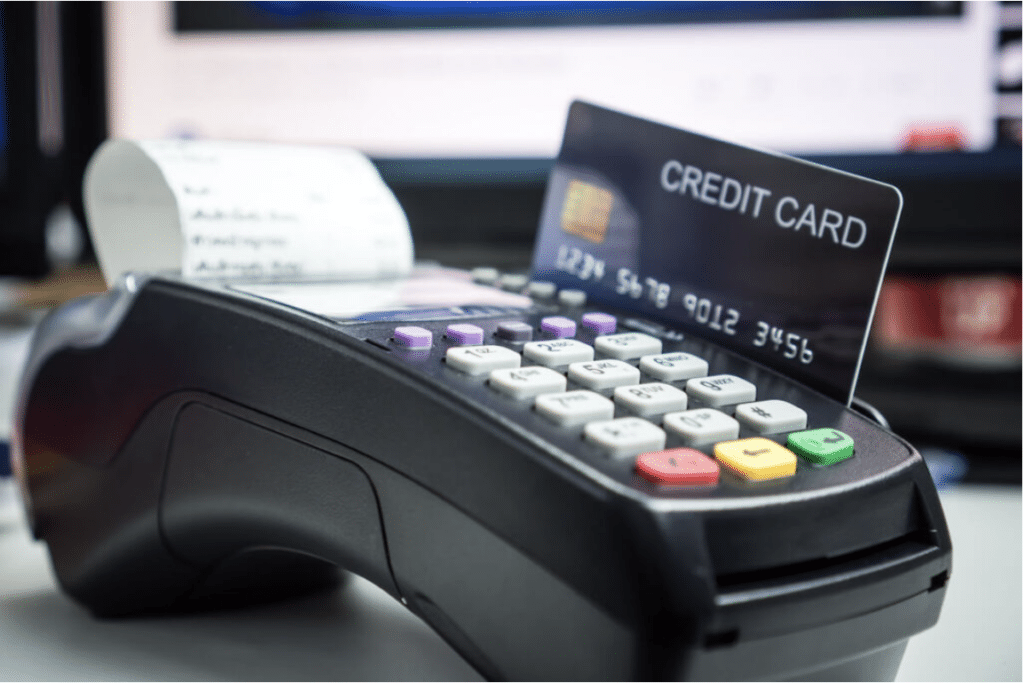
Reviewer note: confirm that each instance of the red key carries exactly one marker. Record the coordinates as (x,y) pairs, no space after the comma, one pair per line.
(677,466)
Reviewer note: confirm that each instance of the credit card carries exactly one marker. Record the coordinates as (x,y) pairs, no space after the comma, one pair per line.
(771,256)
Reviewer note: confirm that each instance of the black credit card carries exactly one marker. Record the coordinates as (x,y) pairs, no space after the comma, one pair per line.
(776,258)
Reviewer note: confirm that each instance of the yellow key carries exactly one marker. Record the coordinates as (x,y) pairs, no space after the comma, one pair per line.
(756,459)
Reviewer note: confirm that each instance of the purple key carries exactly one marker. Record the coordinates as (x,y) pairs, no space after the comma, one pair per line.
(514,331)
(413,337)
(601,323)
(557,326)
(464,334)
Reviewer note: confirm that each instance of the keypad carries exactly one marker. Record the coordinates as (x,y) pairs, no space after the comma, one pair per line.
(623,398)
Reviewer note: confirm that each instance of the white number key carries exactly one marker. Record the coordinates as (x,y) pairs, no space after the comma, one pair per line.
(721,390)
(626,436)
(574,407)
(673,367)
(558,353)
(603,374)
(702,426)
(651,400)
(527,382)
(627,345)
(478,360)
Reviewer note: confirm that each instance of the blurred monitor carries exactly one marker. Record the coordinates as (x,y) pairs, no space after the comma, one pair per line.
(52,116)
(462,105)
(27,127)
(494,80)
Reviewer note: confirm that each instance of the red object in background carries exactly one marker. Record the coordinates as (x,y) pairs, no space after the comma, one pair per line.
(934,138)
(969,318)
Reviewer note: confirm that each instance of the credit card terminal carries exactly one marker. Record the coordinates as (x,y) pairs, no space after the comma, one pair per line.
(563,483)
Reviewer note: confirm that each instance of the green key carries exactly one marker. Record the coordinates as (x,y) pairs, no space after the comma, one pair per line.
(821,446)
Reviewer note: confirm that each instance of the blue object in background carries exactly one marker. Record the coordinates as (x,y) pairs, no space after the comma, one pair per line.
(5,459)
(946,467)
(357,15)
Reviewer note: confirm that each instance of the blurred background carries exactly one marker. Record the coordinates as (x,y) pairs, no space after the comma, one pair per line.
(462,106)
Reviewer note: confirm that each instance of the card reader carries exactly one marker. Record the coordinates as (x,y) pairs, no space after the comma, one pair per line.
(565,486)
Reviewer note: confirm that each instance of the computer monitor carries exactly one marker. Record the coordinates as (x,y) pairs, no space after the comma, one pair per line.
(462,105)
(26,179)
(52,117)
(439,79)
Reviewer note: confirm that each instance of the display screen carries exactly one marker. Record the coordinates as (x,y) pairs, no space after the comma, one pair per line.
(429,293)
(776,258)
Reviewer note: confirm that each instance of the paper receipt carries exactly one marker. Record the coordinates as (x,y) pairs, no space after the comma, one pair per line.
(243,211)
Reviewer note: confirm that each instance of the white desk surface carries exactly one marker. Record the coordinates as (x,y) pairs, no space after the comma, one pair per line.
(361,633)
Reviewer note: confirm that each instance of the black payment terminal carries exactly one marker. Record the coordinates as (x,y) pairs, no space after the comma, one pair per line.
(643,464)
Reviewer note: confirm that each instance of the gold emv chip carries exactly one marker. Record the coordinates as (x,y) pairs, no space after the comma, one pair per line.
(586,211)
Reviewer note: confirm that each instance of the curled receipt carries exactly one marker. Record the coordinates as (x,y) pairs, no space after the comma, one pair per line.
(243,211)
